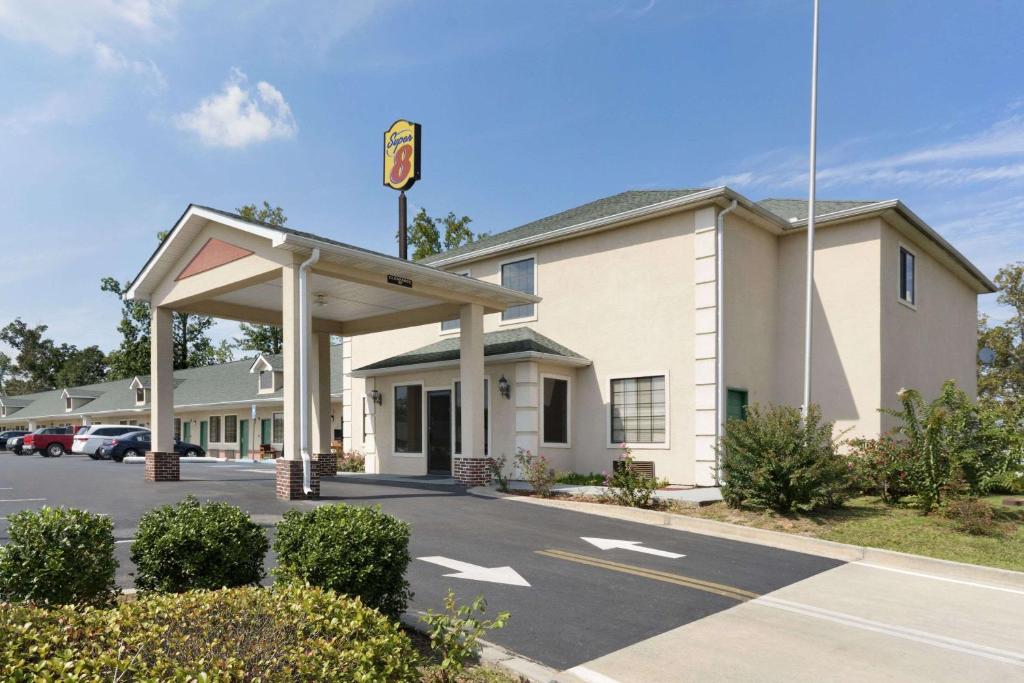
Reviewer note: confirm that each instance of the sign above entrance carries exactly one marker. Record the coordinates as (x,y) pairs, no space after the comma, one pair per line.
(402,154)
(399,280)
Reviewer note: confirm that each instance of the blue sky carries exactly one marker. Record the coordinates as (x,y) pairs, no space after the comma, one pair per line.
(117,114)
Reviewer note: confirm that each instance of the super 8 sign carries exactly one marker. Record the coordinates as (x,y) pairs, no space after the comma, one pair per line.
(402,154)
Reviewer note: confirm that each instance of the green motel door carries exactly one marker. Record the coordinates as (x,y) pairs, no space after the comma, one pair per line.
(265,426)
(204,428)
(243,429)
(186,431)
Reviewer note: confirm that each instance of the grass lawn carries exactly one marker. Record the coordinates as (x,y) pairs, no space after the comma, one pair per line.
(866,521)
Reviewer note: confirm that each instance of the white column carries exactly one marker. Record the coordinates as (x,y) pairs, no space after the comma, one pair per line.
(290,322)
(161,378)
(320,392)
(705,365)
(471,373)
(351,403)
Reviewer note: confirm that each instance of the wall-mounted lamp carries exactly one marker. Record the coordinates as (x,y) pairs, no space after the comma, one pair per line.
(504,388)
(377,397)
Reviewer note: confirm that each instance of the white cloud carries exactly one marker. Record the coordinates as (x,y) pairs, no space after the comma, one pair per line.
(239,116)
(91,27)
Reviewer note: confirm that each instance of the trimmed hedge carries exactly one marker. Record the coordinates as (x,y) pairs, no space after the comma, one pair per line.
(198,546)
(287,633)
(59,556)
(357,551)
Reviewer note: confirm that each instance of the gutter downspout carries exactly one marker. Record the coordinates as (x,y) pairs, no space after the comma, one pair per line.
(720,396)
(304,333)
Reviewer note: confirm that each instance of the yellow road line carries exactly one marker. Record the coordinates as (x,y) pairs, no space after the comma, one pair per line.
(677,579)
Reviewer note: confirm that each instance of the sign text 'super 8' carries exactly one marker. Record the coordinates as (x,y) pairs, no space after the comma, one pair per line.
(402,154)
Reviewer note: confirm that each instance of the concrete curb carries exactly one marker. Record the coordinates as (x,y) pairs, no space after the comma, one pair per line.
(496,656)
(141,460)
(889,559)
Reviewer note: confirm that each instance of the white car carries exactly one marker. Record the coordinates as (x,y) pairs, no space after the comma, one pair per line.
(91,437)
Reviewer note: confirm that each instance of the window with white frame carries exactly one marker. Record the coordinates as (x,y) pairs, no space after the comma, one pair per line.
(520,276)
(408,418)
(230,429)
(638,410)
(215,428)
(140,396)
(68,402)
(277,431)
(454,324)
(908,276)
(555,413)
(457,417)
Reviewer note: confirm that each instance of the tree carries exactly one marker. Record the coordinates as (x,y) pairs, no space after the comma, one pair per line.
(41,364)
(6,370)
(255,337)
(1003,379)
(426,238)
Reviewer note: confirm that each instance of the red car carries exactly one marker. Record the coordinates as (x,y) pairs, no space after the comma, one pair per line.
(49,442)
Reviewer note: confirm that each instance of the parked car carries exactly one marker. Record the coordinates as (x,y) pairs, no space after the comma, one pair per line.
(49,442)
(91,437)
(14,444)
(10,434)
(135,444)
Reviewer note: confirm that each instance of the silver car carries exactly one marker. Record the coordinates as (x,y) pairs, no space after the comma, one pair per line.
(90,438)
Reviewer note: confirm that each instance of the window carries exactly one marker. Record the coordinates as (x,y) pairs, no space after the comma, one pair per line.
(67,404)
(908,293)
(452,325)
(177,429)
(215,428)
(230,428)
(520,276)
(140,396)
(638,410)
(555,424)
(277,435)
(458,417)
(266,380)
(736,404)
(409,418)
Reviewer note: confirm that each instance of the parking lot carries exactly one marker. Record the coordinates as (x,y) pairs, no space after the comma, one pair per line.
(634,602)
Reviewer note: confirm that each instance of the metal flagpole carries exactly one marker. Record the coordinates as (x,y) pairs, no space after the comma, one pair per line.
(810,217)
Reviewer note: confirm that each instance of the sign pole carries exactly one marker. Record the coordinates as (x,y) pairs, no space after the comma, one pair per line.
(810,218)
(403,227)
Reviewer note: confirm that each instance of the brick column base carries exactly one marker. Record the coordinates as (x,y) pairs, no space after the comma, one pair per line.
(472,471)
(162,466)
(326,464)
(289,480)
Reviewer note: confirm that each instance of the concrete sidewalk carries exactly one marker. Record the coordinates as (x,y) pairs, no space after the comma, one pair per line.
(858,622)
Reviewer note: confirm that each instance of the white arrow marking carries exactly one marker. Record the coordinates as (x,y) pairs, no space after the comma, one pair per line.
(608,544)
(474,572)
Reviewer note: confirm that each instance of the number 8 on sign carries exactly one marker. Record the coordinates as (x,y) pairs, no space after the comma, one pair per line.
(402,155)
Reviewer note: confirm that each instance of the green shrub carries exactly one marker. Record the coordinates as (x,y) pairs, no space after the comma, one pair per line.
(777,460)
(883,467)
(191,545)
(537,472)
(287,633)
(58,556)
(1011,483)
(455,633)
(579,479)
(972,516)
(954,439)
(627,486)
(357,551)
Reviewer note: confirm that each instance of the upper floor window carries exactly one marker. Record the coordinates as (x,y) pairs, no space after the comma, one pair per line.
(522,277)
(140,396)
(908,276)
(267,380)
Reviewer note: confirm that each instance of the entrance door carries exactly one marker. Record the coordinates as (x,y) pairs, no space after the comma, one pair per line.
(243,431)
(186,431)
(439,432)
(265,432)
(204,431)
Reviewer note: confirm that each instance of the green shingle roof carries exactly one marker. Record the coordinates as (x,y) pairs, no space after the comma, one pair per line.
(601,208)
(501,342)
(224,383)
(787,209)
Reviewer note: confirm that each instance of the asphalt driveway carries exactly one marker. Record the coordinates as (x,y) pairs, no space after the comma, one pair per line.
(582,602)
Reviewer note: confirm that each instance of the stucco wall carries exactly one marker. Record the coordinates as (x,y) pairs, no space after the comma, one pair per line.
(622,298)
(846,341)
(935,340)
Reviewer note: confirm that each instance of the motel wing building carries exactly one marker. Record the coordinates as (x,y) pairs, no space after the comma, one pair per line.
(618,336)
(622,347)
